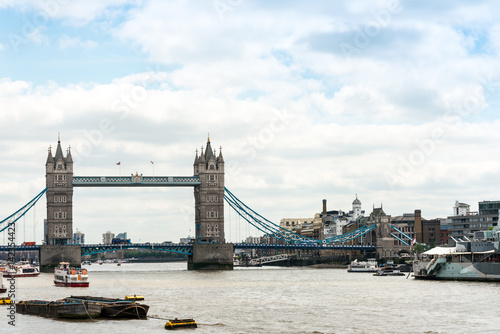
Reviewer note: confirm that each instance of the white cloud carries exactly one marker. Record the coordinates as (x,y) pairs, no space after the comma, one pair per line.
(405,72)
(494,36)
(66,42)
(36,36)
(266,150)
(77,12)
(2,47)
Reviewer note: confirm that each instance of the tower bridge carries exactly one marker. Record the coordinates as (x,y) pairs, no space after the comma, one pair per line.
(209,249)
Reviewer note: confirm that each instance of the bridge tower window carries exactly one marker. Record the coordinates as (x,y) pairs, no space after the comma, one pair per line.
(61,199)
(212,198)
(212,179)
(60,215)
(212,214)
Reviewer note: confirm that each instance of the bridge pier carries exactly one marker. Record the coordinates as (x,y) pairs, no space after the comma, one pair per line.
(51,255)
(211,256)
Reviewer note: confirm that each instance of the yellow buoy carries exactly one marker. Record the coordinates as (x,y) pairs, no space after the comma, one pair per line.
(5,300)
(181,323)
(134,297)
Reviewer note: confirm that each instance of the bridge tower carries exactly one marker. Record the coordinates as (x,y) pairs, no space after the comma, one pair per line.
(210,250)
(58,178)
(58,227)
(209,196)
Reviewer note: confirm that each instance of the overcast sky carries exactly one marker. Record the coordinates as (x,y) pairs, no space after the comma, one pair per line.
(397,102)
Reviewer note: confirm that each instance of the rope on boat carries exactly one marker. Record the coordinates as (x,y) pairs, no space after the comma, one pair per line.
(157,317)
(137,311)
(88,314)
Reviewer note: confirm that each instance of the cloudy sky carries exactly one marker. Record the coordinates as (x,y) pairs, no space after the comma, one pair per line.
(397,102)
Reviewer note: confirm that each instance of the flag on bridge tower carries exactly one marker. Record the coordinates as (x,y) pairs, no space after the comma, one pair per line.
(119,163)
(152,162)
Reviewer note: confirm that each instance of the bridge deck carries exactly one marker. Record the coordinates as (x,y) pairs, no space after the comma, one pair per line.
(304,246)
(135,181)
(187,248)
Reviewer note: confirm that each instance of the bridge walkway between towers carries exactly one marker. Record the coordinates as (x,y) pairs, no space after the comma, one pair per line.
(135,181)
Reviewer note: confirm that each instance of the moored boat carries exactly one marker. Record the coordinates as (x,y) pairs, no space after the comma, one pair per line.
(3,288)
(65,275)
(368,266)
(389,273)
(115,307)
(74,309)
(472,260)
(20,269)
(180,323)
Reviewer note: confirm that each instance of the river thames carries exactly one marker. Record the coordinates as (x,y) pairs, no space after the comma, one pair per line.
(269,300)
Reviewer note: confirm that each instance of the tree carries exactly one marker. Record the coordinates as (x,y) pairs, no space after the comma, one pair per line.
(418,248)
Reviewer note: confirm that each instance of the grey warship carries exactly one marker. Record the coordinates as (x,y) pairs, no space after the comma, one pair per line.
(470,260)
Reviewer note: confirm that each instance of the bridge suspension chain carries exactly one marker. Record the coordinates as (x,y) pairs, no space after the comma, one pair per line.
(262,224)
(271,229)
(10,220)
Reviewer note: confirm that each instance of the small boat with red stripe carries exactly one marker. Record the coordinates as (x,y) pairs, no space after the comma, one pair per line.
(65,275)
(20,269)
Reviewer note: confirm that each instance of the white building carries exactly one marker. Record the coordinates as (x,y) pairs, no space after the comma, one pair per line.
(293,224)
(107,238)
(185,240)
(461,209)
(326,224)
(252,240)
(356,210)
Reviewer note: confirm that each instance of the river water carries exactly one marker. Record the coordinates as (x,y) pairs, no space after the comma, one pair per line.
(270,300)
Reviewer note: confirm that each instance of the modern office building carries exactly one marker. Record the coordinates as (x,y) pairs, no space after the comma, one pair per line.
(466,222)
(78,238)
(489,207)
(121,235)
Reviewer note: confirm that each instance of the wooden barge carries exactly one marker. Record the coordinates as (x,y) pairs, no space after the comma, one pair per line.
(80,307)
(59,309)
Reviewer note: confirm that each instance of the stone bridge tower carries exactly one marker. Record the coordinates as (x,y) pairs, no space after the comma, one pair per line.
(58,227)
(209,196)
(210,250)
(59,182)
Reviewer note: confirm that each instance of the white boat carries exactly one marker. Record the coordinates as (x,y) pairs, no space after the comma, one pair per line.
(20,269)
(65,275)
(3,288)
(368,266)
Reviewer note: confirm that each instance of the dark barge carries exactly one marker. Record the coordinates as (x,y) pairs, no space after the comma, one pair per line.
(114,307)
(59,309)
